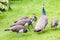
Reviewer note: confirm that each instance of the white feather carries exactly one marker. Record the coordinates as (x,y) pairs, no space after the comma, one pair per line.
(21,30)
(26,24)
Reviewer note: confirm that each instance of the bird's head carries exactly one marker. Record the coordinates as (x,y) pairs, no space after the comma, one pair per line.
(35,18)
(25,30)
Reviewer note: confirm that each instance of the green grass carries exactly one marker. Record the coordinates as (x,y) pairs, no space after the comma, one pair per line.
(27,8)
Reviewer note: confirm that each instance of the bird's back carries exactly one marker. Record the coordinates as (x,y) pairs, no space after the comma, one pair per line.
(17,27)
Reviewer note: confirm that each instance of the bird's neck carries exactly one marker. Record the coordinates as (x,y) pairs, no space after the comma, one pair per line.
(43,11)
(35,18)
(25,30)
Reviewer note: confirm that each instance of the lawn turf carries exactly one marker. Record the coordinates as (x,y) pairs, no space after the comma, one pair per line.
(22,8)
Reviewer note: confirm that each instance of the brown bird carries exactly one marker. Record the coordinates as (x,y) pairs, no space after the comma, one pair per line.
(26,21)
(54,23)
(17,29)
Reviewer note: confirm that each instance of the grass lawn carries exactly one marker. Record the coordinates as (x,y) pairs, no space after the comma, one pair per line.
(27,8)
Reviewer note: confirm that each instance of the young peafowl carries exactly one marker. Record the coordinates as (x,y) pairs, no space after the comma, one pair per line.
(54,23)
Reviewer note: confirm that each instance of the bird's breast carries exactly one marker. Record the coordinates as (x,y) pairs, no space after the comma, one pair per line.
(21,30)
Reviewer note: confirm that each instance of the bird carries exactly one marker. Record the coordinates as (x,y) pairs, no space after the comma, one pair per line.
(25,20)
(28,19)
(42,22)
(54,23)
(17,29)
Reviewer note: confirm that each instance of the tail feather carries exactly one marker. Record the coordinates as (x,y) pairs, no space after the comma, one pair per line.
(7,29)
(15,21)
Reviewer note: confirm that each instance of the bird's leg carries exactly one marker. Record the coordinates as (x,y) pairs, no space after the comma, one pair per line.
(20,34)
(56,28)
(28,28)
(32,25)
(44,30)
(17,34)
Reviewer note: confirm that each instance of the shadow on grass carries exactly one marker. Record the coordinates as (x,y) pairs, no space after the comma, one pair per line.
(22,35)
